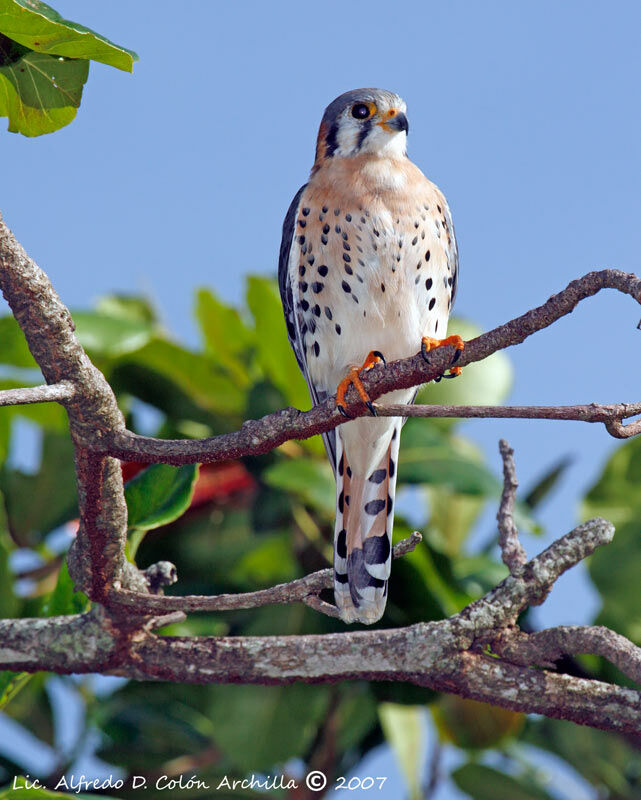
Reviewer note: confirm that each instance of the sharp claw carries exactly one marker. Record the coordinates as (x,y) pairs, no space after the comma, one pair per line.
(370,405)
(378,354)
(343,412)
(457,355)
(451,375)
(438,378)
(424,352)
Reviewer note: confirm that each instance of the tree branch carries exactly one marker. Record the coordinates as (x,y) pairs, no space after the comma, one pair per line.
(512,552)
(54,393)
(449,655)
(305,590)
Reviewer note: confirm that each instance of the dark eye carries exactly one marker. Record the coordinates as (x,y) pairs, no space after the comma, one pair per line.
(360,111)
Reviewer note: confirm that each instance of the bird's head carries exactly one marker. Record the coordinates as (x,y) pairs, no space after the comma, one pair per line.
(363,121)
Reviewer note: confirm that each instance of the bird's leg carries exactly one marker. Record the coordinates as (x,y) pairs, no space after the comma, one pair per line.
(427,344)
(374,357)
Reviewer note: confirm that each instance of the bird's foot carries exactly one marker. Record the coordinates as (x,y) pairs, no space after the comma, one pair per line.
(374,357)
(427,344)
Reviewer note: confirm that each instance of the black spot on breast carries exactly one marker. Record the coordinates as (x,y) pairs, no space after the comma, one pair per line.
(419,265)
(346,257)
(374,507)
(324,209)
(346,246)
(440,210)
(316,349)
(390,505)
(375,232)
(348,217)
(302,285)
(302,223)
(428,284)
(378,476)
(325,228)
(316,310)
(341,544)
(432,303)
(338,329)
(382,287)
(323,238)
(337,228)
(354,298)
(301,240)
(328,312)
(427,255)
(304,305)
(394,435)
(340,577)
(348,269)
(311,260)
(301,270)
(317,287)
(392,466)
(323,270)
(414,241)
(346,287)
(349,472)
(305,212)
(312,325)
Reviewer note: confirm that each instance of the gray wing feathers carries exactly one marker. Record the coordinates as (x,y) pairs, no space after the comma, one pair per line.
(291,318)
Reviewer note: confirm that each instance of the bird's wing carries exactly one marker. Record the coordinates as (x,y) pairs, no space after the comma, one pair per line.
(292,315)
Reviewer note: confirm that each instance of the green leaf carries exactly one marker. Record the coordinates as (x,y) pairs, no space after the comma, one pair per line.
(485,783)
(426,457)
(39,93)
(615,496)
(13,345)
(195,374)
(271,561)
(129,307)
(257,727)
(226,337)
(64,599)
(274,353)
(10,684)
(159,494)
(404,729)
(537,494)
(312,481)
(36,504)
(108,336)
(37,26)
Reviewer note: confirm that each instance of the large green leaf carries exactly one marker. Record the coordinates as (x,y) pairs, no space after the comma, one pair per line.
(39,93)
(37,26)
(274,353)
(110,336)
(159,494)
(195,374)
(310,480)
(258,727)
(485,783)
(226,337)
(404,729)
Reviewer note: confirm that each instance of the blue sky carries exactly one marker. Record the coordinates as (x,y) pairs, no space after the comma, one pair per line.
(526,114)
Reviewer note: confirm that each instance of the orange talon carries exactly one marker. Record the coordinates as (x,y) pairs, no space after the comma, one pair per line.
(373,357)
(427,344)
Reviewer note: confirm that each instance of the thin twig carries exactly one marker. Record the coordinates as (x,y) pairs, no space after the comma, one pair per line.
(305,590)
(512,552)
(47,393)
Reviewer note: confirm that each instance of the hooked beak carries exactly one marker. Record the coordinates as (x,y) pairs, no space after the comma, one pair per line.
(395,121)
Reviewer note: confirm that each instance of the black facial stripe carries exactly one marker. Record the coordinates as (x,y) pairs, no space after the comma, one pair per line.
(365,129)
(331,141)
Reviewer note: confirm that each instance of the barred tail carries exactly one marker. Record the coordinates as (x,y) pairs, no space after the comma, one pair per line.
(363,532)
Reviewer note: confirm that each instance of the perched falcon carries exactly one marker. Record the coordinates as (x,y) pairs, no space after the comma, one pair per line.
(368,265)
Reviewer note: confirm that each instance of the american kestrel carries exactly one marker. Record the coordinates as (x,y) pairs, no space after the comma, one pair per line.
(368,264)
